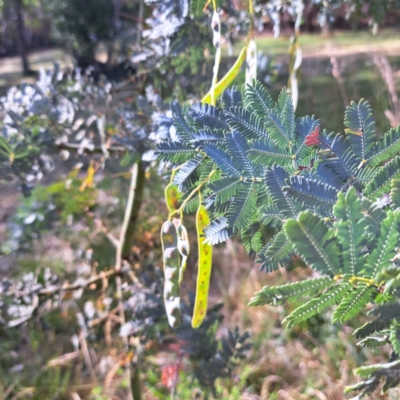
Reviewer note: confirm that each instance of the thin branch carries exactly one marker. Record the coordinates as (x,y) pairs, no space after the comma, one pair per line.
(78,284)
(75,147)
(86,356)
(118,265)
(128,212)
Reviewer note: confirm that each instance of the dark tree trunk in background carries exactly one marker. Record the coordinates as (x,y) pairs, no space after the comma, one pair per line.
(117,4)
(21,35)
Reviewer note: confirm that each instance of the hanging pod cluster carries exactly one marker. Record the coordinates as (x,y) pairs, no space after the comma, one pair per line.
(174,236)
(175,245)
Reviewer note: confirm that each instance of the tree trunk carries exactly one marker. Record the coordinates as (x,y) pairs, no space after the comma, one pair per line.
(117,4)
(21,35)
(140,183)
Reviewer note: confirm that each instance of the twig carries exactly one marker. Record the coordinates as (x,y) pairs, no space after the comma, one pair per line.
(9,390)
(69,286)
(134,212)
(110,375)
(94,149)
(62,360)
(125,15)
(337,75)
(107,316)
(118,265)
(106,232)
(386,71)
(128,212)
(86,356)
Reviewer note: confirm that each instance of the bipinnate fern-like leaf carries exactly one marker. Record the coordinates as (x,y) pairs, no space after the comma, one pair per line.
(315,242)
(364,387)
(222,161)
(275,180)
(289,291)
(269,214)
(386,148)
(184,132)
(252,238)
(311,193)
(332,173)
(205,136)
(365,372)
(353,303)
(385,313)
(347,162)
(380,181)
(207,116)
(218,231)
(305,126)
(267,153)
(187,175)
(317,304)
(258,99)
(243,206)
(248,124)
(371,327)
(390,371)
(277,130)
(224,189)
(394,338)
(175,152)
(373,216)
(276,253)
(361,128)
(288,117)
(385,247)
(351,226)
(237,147)
(395,194)
(231,98)
(373,341)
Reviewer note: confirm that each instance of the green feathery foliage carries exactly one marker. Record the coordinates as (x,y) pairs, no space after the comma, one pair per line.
(331,199)
(267,170)
(337,251)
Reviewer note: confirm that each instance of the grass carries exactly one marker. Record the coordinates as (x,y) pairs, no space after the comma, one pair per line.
(312,44)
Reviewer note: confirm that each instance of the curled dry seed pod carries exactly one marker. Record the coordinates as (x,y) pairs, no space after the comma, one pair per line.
(204,271)
(169,240)
(251,62)
(184,249)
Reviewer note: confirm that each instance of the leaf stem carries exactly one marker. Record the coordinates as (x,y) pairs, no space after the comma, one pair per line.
(181,208)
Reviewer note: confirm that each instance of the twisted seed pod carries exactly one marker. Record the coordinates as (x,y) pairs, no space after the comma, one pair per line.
(183,248)
(169,241)
(251,62)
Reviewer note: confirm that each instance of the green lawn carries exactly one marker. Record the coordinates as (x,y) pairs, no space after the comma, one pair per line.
(351,40)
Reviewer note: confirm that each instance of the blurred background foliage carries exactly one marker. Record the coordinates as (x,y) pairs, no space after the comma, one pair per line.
(69,137)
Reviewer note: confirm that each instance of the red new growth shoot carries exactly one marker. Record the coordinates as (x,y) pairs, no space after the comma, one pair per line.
(312,139)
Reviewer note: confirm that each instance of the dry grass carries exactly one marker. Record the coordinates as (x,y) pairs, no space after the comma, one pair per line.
(313,361)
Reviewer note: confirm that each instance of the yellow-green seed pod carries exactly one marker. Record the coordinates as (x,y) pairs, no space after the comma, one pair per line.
(227,79)
(172,197)
(169,240)
(204,269)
